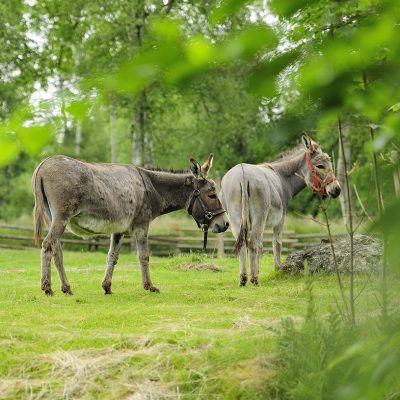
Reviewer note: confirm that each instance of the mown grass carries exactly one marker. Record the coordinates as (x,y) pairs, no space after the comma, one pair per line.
(202,337)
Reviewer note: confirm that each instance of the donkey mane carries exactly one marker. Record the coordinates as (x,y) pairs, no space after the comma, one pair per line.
(284,155)
(167,170)
(285,162)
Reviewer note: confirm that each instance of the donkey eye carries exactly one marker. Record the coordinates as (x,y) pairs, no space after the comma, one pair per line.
(212,196)
(320,166)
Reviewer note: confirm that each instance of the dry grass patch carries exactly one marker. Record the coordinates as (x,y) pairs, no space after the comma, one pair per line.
(200,266)
(246,321)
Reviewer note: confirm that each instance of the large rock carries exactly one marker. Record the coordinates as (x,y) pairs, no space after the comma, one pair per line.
(368,256)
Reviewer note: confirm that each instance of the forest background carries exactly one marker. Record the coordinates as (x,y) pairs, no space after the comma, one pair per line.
(155,83)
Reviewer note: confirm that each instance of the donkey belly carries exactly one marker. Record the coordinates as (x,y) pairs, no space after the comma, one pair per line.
(88,225)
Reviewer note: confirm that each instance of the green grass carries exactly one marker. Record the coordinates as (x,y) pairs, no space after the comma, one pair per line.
(202,337)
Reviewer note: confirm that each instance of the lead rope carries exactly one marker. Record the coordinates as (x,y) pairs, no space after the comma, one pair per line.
(205,230)
(208,215)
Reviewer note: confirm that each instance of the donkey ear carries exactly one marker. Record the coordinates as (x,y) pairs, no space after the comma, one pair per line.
(195,168)
(308,143)
(205,168)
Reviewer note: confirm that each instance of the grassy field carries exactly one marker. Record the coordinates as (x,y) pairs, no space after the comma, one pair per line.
(202,337)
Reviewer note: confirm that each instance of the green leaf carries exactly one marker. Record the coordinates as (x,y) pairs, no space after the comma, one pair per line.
(181,72)
(34,138)
(246,43)
(228,8)
(285,8)
(164,29)
(263,80)
(78,109)
(132,77)
(199,51)
(9,150)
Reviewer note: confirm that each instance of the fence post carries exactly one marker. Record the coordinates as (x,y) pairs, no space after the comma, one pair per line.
(220,237)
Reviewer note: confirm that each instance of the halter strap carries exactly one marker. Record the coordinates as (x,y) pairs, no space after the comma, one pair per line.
(208,214)
(319,184)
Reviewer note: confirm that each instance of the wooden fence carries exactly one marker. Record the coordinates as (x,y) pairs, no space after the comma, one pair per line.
(185,240)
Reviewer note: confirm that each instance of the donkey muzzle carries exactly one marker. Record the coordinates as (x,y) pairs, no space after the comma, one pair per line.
(333,189)
(220,223)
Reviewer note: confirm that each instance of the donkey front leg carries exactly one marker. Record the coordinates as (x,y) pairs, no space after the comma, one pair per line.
(277,246)
(112,258)
(143,253)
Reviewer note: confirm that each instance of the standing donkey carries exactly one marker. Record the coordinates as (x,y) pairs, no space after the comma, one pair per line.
(93,198)
(259,195)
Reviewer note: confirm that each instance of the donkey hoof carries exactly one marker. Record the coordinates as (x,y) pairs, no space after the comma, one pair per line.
(48,292)
(254,280)
(66,289)
(152,288)
(243,280)
(107,287)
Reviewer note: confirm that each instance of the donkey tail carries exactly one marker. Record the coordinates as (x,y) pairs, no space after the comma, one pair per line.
(40,204)
(244,222)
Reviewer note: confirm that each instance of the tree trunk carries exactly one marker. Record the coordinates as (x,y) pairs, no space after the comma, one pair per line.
(78,137)
(60,89)
(113,132)
(141,138)
(394,157)
(135,135)
(344,200)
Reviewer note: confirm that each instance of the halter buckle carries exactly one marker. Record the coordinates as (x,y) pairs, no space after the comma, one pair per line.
(208,215)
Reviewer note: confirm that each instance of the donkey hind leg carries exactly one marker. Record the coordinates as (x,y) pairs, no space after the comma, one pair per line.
(143,253)
(235,227)
(49,248)
(58,260)
(255,248)
(277,245)
(112,258)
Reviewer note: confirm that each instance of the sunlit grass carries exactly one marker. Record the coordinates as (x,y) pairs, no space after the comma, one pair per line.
(203,336)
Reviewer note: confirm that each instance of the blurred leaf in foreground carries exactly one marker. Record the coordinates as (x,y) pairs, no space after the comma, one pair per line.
(78,108)
(287,8)
(263,81)
(21,132)
(228,8)
(8,149)
(34,138)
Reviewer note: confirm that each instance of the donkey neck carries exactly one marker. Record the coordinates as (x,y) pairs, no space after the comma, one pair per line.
(293,173)
(169,190)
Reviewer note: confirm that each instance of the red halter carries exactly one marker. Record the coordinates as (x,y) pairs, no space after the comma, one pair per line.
(319,184)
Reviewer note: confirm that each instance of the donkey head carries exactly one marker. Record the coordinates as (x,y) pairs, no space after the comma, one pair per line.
(204,204)
(323,178)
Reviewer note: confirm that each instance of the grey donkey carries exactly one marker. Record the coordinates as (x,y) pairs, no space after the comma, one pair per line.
(116,199)
(257,195)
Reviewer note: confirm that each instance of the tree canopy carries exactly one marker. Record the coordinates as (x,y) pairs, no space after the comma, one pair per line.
(157,82)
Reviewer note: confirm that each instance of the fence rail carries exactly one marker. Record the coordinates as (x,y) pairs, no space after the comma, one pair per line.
(185,240)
